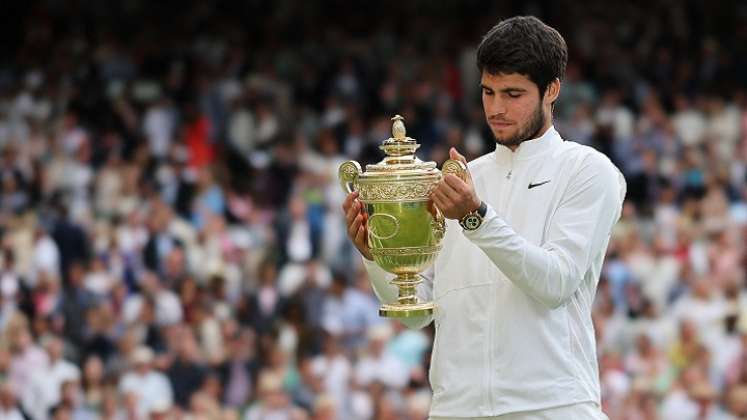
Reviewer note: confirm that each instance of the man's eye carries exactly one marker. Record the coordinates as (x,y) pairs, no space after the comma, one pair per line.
(514,95)
(487,92)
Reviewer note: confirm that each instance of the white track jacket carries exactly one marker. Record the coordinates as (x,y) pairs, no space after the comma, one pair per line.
(514,297)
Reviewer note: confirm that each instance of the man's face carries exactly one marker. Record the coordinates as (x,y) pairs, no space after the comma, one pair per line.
(513,108)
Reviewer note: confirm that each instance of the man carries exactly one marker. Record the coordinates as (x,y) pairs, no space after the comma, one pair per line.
(148,386)
(45,387)
(529,228)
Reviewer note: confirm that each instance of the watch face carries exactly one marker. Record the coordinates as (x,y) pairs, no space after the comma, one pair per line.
(472,222)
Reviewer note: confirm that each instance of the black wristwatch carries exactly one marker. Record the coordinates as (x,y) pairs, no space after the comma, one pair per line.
(473,219)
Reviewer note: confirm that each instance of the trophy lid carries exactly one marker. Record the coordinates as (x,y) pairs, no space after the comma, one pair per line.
(400,154)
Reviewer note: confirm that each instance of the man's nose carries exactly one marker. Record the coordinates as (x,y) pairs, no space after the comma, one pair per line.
(496,106)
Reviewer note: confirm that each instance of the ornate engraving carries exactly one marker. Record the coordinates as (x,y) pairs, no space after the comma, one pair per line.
(423,166)
(416,190)
(383,226)
(348,174)
(455,167)
(350,169)
(405,251)
(439,228)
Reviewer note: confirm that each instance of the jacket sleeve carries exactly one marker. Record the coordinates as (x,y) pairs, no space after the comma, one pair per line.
(387,293)
(579,228)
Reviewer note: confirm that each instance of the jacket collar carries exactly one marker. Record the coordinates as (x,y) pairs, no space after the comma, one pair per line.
(530,148)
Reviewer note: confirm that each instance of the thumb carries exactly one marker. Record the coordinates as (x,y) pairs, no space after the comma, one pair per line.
(453,154)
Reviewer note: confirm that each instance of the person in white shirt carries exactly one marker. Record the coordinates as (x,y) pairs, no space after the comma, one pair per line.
(9,409)
(150,387)
(273,403)
(337,372)
(379,365)
(529,228)
(46,384)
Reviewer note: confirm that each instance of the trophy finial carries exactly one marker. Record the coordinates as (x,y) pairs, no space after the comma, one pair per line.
(398,127)
(399,148)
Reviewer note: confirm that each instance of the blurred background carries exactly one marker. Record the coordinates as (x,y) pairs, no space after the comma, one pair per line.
(171,239)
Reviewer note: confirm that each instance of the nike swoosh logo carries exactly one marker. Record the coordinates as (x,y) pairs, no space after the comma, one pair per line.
(538,184)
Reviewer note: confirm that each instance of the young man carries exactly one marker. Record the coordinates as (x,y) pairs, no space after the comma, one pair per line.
(529,229)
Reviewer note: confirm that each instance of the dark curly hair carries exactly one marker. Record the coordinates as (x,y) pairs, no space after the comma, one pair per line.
(524,45)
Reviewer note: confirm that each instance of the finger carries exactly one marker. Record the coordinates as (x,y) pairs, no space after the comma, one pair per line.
(441,200)
(455,183)
(360,236)
(453,154)
(349,200)
(354,226)
(449,192)
(432,208)
(350,215)
(353,211)
(437,201)
(364,220)
(442,204)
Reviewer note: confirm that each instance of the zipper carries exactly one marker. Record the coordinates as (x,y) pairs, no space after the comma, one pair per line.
(510,167)
(507,196)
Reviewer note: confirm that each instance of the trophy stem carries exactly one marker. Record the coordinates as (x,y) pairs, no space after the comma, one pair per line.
(407,283)
(407,305)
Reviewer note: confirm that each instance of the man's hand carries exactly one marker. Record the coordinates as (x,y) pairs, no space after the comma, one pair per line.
(357,222)
(454,197)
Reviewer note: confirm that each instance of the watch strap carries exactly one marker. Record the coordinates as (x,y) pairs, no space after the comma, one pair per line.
(483,209)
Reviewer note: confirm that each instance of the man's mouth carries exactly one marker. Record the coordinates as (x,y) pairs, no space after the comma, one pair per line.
(500,124)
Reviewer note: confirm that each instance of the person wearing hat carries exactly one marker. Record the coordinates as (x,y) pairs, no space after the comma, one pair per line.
(149,386)
(379,365)
(273,401)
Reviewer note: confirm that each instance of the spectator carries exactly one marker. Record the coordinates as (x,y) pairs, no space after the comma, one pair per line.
(273,401)
(46,385)
(8,407)
(186,373)
(147,386)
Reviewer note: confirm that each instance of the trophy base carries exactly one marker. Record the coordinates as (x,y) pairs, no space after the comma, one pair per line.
(396,310)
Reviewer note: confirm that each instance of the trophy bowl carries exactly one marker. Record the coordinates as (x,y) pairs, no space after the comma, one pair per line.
(405,228)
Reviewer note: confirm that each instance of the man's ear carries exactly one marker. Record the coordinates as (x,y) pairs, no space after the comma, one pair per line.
(552,91)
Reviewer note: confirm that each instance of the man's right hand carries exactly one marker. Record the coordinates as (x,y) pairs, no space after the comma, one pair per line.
(357,222)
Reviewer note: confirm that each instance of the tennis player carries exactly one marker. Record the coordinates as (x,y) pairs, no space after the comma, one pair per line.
(527,233)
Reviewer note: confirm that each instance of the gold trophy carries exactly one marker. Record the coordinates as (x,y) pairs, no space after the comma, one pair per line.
(404,226)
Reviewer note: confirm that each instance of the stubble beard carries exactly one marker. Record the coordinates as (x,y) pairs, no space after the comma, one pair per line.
(530,131)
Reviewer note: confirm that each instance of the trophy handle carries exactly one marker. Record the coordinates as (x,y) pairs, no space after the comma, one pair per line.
(438,224)
(455,167)
(348,174)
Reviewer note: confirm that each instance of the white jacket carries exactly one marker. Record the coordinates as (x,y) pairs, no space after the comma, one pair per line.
(514,297)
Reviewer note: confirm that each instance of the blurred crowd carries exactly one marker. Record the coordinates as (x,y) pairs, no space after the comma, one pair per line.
(171,240)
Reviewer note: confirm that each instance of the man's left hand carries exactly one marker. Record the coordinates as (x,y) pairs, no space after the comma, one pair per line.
(454,197)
